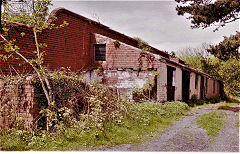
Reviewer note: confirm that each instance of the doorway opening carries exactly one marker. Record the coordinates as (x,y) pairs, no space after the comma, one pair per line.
(171,73)
(185,85)
(202,88)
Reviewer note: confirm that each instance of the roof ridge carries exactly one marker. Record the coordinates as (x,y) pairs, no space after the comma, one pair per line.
(62,9)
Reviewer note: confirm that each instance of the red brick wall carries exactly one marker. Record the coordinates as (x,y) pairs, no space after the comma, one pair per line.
(69,46)
(121,68)
(25,43)
(72,46)
(124,56)
(19,102)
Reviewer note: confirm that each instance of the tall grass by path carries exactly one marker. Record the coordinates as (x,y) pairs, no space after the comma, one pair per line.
(238,120)
(143,121)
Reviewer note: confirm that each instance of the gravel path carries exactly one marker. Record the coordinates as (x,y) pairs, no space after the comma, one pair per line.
(185,135)
(228,139)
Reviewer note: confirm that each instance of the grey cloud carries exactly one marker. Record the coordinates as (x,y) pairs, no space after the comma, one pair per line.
(156,22)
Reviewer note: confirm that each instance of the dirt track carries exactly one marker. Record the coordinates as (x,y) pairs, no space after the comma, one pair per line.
(185,135)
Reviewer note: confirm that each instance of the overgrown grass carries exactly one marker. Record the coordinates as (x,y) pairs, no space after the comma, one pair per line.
(212,122)
(232,106)
(233,99)
(239,120)
(143,121)
(194,102)
(226,106)
(200,106)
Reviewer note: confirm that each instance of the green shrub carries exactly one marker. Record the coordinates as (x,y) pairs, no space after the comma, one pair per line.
(194,98)
(78,100)
(232,99)
(141,121)
(223,107)
(227,106)
(194,101)
(201,102)
(140,95)
(238,120)
(88,114)
(214,100)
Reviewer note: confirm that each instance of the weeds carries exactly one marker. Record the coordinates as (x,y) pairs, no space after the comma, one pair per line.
(229,106)
(194,102)
(238,120)
(141,120)
(86,115)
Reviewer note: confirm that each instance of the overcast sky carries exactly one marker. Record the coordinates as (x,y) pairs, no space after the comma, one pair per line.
(156,22)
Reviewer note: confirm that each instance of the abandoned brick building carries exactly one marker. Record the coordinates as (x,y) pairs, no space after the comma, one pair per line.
(84,43)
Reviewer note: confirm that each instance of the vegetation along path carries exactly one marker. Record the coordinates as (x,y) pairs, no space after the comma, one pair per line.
(186,135)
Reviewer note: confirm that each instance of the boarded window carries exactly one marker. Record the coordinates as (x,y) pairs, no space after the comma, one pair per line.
(100,52)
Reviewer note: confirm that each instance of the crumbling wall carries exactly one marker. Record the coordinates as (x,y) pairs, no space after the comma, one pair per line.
(162,82)
(127,80)
(125,56)
(17,102)
(127,67)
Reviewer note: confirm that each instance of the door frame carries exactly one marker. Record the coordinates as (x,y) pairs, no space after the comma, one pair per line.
(170,87)
(185,84)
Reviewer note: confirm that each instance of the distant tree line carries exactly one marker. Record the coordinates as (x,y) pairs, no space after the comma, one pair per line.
(225,64)
(206,13)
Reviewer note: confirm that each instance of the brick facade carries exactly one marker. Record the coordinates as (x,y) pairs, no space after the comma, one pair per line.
(122,67)
(162,82)
(18,102)
(26,45)
(73,46)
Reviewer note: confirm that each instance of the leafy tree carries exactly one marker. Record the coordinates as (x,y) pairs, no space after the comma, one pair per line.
(227,48)
(205,13)
(194,57)
(226,71)
(229,72)
(34,13)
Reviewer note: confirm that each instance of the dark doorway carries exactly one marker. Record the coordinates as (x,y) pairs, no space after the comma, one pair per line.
(221,90)
(185,85)
(170,83)
(202,88)
(153,92)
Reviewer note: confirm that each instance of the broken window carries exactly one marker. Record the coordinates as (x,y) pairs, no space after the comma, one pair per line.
(100,52)
(173,78)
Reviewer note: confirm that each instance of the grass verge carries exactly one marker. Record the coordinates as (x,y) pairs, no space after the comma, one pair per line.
(143,121)
(229,106)
(212,122)
(238,120)
(200,106)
